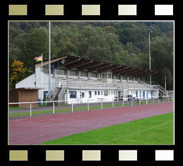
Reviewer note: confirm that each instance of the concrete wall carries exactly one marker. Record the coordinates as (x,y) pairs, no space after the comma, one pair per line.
(155,94)
(41,79)
(27,82)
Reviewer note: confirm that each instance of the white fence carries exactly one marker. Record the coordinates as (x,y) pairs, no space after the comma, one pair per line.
(53,107)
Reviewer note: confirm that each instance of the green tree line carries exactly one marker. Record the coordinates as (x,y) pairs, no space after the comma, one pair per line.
(125,43)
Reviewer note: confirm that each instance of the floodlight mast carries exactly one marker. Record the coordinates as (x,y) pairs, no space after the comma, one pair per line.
(150,31)
(49,54)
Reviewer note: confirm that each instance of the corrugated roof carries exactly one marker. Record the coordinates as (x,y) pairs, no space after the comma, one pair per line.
(99,66)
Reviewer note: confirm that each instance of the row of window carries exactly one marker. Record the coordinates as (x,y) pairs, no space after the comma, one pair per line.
(85,74)
(73,94)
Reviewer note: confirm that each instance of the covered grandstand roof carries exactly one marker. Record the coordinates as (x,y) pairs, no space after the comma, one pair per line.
(72,62)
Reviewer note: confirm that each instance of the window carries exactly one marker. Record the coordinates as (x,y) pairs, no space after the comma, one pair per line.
(61,71)
(130,78)
(95,92)
(84,74)
(98,92)
(72,94)
(104,75)
(105,93)
(45,93)
(93,74)
(82,94)
(109,75)
(45,70)
(124,77)
(101,92)
(111,92)
(73,72)
(118,77)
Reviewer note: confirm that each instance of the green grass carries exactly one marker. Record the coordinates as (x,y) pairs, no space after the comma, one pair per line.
(156,130)
(13,108)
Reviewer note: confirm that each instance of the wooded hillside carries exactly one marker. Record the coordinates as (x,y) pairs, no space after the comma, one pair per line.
(124,43)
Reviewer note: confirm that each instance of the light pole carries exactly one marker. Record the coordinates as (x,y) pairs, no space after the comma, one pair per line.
(49,56)
(150,30)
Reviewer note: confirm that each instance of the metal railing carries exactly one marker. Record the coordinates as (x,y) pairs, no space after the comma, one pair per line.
(98,84)
(49,94)
(60,95)
(29,109)
(159,87)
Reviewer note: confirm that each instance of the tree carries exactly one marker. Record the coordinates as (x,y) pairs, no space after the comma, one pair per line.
(125,43)
(17,72)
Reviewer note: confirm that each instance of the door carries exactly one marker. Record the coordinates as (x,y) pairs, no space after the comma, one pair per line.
(89,94)
(119,94)
(143,94)
(82,94)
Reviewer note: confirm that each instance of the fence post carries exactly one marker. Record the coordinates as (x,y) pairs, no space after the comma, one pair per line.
(153,100)
(139,101)
(88,105)
(112,103)
(53,107)
(132,102)
(123,102)
(146,101)
(30,109)
(72,105)
(101,104)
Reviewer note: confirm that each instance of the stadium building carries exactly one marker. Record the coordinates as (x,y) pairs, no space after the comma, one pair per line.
(78,80)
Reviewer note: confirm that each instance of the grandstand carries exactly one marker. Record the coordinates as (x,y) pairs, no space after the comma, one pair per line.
(77,80)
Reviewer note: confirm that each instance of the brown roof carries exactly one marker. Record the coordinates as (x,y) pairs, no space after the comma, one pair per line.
(99,66)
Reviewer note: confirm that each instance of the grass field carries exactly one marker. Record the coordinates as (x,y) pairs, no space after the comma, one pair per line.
(156,130)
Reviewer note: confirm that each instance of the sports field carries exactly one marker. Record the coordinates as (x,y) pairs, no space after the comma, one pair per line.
(156,130)
(123,125)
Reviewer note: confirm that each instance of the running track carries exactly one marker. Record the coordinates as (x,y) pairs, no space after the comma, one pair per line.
(35,130)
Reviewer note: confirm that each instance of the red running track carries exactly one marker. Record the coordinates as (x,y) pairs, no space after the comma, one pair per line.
(36,130)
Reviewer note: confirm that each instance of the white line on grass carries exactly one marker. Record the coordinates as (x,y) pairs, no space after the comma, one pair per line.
(135,132)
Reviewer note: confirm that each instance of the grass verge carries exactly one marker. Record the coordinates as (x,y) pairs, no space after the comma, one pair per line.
(62,110)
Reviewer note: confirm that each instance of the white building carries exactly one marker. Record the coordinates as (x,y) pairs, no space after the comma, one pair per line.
(77,80)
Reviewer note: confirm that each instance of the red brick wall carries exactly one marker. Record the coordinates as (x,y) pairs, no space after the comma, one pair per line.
(13,97)
(28,96)
(17,95)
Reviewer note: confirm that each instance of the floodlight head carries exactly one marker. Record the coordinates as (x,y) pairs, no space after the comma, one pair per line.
(151,29)
(63,61)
